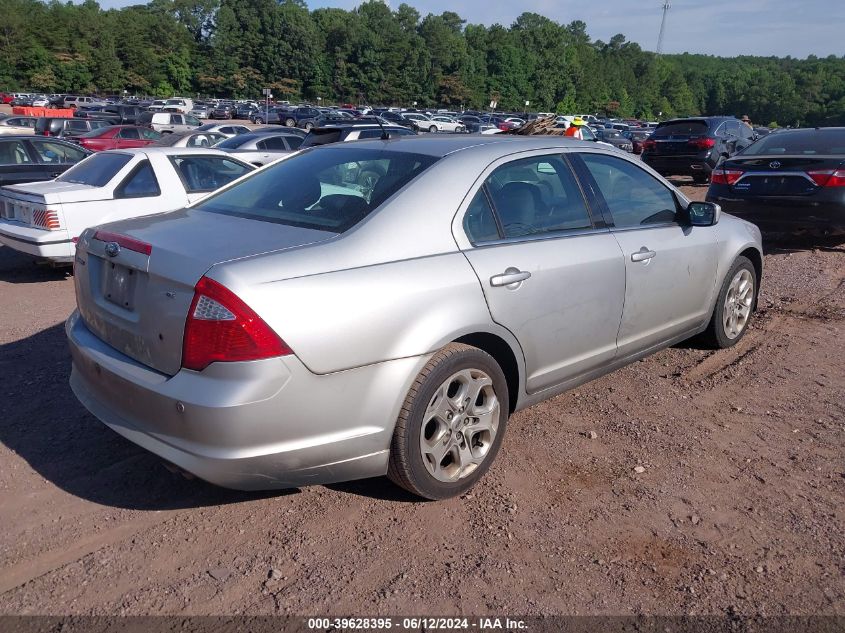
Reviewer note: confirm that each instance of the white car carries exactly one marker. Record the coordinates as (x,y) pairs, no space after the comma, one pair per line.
(447,124)
(40,102)
(180,104)
(45,219)
(226,129)
(17,125)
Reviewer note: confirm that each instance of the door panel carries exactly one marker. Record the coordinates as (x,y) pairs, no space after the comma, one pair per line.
(566,314)
(670,270)
(669,293)
(548,274)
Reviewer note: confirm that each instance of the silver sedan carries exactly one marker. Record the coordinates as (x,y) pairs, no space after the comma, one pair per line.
(383,307)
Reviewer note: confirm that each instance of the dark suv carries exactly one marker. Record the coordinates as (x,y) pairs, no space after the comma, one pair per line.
(303,116)
(112,114)
(64,126)
(695,145)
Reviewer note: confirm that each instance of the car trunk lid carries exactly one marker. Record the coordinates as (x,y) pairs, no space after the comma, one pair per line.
(774,176)
(135,279)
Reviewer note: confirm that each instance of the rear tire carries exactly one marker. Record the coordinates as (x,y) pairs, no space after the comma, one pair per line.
(451,425)
(702,179)
(734,306)
(432,129)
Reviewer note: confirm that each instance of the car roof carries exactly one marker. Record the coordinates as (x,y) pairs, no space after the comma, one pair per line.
(496,145)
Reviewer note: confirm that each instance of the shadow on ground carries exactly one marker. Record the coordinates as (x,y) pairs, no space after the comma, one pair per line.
(18,268)
(42,422)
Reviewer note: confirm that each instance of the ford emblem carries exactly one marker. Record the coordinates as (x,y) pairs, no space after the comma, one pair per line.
(775,164)
(112,249)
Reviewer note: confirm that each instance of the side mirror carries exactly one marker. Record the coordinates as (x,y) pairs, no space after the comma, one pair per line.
(703,213)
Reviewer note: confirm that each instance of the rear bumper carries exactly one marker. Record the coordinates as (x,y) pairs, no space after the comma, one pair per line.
(53,245)
(685,165)
(249,426)
(783,214)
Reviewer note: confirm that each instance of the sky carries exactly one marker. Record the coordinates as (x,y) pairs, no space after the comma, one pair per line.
(716,27)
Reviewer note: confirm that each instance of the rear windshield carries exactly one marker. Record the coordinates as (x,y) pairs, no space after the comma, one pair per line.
(682,128)
(323,189)
(803,142)
(96,170)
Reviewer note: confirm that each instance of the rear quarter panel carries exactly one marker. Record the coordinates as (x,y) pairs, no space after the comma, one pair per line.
(349,318)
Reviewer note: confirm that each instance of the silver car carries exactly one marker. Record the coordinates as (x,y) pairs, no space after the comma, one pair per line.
(382,307)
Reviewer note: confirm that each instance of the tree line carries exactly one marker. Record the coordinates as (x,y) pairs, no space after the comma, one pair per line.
(376,55)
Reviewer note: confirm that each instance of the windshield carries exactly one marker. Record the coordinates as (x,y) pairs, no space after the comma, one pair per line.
(830,142)
(96,170)
(323,189)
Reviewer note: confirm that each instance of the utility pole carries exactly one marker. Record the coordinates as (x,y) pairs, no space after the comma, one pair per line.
(666,7)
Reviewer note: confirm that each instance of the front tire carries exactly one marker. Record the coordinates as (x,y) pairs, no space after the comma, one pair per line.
(290,122)
(451,425)
(734,305)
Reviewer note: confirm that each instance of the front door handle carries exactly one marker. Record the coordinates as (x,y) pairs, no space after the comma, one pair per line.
(642,255)
(511,277)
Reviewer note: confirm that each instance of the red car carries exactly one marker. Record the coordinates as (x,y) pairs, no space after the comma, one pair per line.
(6,98)
(117,137)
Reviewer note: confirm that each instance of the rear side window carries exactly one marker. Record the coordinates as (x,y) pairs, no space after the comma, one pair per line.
(634,197)
(479,221)
(329,190)
(96,170)
(537,195)
(129,133)
(13,153)
(235,142)
(51,152)
(76,126)
(293,142)
(207,173)
(141,183)
(682,128)
(273,143)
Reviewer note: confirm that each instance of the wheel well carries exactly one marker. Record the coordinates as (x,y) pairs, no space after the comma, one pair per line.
(503,354)
(757,261)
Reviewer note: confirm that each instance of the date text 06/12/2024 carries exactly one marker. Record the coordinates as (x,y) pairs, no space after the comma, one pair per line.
(417,623)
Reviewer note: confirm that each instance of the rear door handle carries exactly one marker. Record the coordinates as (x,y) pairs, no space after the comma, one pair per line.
(510,277)
(642,255)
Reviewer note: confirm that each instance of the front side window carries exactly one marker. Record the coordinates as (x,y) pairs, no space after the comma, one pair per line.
(537,195)
(329,190)
(633,196)
(207,173)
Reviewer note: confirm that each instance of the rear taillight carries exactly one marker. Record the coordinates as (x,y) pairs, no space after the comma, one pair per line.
(222,328)
(124,241)
(702,142)
(46,219)
(722,176)
(649,144)
(828,178)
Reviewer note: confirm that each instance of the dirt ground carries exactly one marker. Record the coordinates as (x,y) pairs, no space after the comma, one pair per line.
(739,509)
